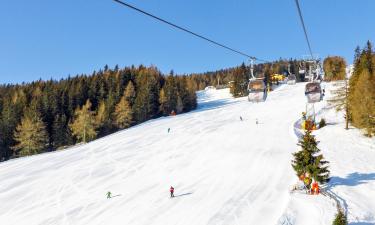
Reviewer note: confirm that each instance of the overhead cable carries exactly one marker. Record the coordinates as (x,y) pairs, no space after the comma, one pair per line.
(188,31)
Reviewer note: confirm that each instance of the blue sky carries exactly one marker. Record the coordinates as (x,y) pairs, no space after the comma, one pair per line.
(44,38)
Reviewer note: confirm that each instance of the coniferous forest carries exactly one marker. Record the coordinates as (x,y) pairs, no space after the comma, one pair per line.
(44,116)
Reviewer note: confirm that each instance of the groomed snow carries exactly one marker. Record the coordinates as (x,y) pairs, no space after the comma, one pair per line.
(224,170)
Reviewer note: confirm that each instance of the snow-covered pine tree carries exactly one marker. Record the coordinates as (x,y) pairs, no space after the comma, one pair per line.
(309,161)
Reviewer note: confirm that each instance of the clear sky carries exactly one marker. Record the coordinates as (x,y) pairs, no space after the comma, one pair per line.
(46,38)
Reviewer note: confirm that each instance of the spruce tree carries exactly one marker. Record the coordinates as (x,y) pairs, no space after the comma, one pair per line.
(9,121)
(84,125)
(102,119)
(240,79)
(30,134)
(2,147)
(146,104)
(61,133)
(170,91)
(123,115)
(340,219)
(309,161)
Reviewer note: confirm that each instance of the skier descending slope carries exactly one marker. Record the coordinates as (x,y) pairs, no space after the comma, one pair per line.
(171,190)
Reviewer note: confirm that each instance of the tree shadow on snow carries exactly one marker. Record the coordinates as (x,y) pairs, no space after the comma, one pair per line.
(180,195)
(297,129)
(215,104)
(361,223)
(352,179)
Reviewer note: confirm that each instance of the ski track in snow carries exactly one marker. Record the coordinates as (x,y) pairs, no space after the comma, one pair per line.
(225,171)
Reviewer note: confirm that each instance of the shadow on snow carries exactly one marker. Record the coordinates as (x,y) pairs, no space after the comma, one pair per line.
(180,195)
(361,223)
(352,179)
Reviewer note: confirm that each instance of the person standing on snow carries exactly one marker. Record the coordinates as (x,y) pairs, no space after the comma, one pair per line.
(171,190)
(109,194)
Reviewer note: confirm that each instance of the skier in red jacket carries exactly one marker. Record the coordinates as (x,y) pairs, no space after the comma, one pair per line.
(172,191)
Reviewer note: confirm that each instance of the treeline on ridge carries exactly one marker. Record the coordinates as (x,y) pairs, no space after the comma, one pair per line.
(47,115)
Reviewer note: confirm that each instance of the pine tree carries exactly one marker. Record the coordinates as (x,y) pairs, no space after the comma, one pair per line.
(2,147)
(8,120)
(309,161)
(240,81)
(146,104)
(102,119)
(163,108)
(130,93)
(30,134)
(123,114)
(83,126)
(340,99)
(340,219)
(170,91)
(61,133)
(334,68)
(179,106)
(363,106)
(101,115)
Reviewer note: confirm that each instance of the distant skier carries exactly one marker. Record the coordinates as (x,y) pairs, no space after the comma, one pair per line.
(256,121)
(171,190)
(169,129)
(241,118)
(109,194)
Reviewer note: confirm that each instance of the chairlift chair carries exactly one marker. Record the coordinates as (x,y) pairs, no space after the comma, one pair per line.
(291,77)
(257,90)
(256,87)
(313,90)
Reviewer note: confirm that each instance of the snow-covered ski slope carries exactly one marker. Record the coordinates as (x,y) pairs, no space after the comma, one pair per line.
(225,171)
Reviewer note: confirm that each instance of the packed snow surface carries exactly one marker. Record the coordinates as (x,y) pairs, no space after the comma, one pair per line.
(226,171)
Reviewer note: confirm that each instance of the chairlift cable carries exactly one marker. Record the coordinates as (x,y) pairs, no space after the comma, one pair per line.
(304,28)
(188,31)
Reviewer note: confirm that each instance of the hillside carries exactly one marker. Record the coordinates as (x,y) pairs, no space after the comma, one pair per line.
(224,170)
